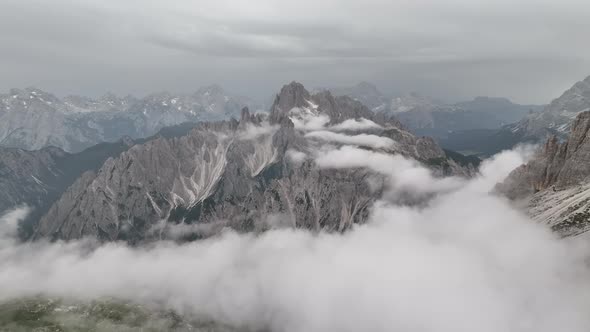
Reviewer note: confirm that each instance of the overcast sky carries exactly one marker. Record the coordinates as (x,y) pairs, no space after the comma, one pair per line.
(527,50)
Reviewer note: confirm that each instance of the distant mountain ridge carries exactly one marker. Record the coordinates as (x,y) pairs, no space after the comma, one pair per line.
(558,116)
(427,116)
(555,119)
(33,119)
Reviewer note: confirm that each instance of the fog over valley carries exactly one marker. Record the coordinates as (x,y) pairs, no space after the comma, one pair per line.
(466,261)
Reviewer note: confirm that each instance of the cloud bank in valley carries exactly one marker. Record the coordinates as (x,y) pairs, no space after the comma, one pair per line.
(367,140)
(355,125)
(466,261)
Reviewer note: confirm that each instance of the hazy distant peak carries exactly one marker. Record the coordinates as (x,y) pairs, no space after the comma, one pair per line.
(31,93)
(213,89)
(367,87)
(487,98)
(24,98)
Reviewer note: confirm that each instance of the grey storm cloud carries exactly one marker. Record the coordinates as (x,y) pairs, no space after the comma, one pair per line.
(527,50)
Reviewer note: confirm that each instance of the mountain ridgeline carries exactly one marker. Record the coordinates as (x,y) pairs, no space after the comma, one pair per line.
(250,174)
(431,117)
(32,119)
(555,119)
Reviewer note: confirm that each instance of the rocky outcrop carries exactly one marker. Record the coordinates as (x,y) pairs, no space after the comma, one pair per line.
(554,180)
(23,175)
(558,164)
(209,175)
(249,175)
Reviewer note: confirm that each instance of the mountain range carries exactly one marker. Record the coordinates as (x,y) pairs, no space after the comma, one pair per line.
(555,119)
(431,117)
(190,181)
(32,119)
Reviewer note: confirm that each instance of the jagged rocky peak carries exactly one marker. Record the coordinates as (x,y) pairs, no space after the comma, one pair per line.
(367,87)
(158,97)
(579,134)
(559,115)
(24,98)
(340,108)
(231,174)
(556,164)
(80,101)
(116,102)
(28,93)
(291,95)
(234,173)
(294,101)
(574,100)
(212,89)
(555,184)
(247,117)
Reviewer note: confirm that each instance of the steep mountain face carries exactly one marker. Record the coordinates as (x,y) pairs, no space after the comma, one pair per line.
(558,116)
(557,181)
(247,174)
(21,173)
(32,119)
(38,178)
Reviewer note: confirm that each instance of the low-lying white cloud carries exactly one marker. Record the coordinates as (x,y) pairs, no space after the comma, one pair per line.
(465,261)
(310,120)
(296,156)
(408,177)
(355,125)
(368,140)
(306,120)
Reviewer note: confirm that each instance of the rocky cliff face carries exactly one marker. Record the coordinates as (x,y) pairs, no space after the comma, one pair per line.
(558,117)
(249,174)
(38,178)
(556,180)
(22,174)
(31,119)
